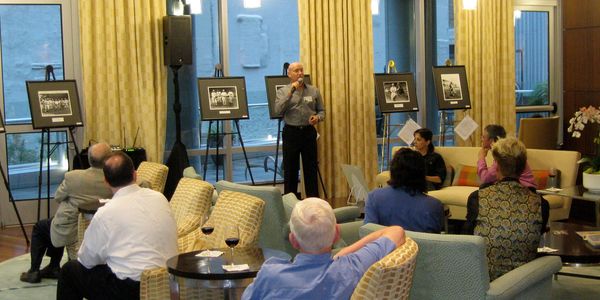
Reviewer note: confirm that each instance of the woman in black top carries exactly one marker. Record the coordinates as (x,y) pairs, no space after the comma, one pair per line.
(436,168)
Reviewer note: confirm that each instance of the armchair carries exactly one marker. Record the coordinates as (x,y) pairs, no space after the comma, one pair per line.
(455,267)
(274,230)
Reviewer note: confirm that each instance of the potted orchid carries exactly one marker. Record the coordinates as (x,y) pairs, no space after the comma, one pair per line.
(591,175)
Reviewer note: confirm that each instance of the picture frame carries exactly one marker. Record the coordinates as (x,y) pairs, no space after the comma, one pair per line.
(451,87)
(54,104)
(273,84)
(2,130)
(396,92)
(222,98)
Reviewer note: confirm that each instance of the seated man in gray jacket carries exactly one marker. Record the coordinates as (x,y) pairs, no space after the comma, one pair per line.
(50,236)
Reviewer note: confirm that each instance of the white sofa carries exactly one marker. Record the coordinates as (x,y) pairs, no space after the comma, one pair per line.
(455,197)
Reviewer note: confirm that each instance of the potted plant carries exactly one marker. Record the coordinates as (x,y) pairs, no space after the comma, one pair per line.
(591,173)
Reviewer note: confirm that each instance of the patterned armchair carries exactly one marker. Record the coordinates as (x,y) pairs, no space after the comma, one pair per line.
(232,208)
(154,174)
(391,277)
(191,200)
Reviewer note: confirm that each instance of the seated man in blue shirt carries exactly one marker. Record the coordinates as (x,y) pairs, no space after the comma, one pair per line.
(314,274)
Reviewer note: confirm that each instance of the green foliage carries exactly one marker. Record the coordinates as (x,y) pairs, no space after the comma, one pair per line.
(539,96)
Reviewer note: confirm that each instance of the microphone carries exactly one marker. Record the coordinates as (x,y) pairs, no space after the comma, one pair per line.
(300,83)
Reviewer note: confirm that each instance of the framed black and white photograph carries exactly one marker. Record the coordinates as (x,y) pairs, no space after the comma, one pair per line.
(451,87)
(222,98)
(273,84)
(396,92)
(54,104)
(2,130)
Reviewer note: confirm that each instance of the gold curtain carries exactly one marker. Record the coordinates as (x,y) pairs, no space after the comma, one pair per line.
(485,45)
(124,80)
(336,48)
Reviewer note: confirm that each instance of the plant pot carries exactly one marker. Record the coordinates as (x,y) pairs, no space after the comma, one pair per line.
(592,182)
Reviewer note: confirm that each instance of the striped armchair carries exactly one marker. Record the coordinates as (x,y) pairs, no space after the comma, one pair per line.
(391,277)
(191,200)
(154,174)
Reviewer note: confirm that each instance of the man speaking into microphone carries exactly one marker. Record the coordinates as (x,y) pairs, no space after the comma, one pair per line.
(301,106)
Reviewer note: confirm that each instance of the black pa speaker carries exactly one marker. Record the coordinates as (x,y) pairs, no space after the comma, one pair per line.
(177,38)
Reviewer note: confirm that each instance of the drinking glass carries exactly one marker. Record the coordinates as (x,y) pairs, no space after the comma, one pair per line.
(206,228)
(232,238)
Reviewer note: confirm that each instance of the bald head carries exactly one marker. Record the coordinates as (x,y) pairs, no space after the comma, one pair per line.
(295,71)
(119,170)
(97,154)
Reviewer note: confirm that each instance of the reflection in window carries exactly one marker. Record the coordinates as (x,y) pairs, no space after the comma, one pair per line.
(531,57)
(23,152)
(31,39)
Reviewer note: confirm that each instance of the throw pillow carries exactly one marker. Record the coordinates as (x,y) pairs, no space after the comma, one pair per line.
(541,178)
(466,176)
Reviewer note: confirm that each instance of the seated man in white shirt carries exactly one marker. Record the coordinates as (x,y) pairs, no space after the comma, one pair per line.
(134,231)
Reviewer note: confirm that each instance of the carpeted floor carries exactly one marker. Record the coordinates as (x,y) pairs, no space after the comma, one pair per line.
(11,288)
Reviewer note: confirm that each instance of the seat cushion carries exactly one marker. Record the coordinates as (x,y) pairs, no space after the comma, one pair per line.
(555,201)
(453,195)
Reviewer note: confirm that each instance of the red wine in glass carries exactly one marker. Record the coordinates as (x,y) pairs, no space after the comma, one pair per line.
(232,242)
(207,230)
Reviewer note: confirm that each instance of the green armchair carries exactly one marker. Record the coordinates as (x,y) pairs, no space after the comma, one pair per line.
(455,267)
(274,230)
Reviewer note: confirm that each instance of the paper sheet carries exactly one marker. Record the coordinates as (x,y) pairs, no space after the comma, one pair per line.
(408,130)
(466,127)
(209,253)
(236,268)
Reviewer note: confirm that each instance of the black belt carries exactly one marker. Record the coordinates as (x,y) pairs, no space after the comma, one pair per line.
(302,127)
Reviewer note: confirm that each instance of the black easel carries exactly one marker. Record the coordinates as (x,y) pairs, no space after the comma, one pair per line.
(49,151)
(219,74)
(279,120)
(10,195)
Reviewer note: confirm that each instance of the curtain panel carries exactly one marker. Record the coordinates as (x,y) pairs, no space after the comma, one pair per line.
(336,48)
(124,80)
(485,45)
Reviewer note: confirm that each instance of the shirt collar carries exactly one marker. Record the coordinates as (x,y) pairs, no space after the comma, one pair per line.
(304,258)
(132,188)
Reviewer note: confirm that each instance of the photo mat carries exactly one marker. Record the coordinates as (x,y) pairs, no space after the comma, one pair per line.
(396,92)
(222,98)
(54,104)
(273,84)
(451,87)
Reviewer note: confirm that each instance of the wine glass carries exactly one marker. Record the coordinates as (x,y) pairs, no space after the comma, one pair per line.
(206,228)
(232,238)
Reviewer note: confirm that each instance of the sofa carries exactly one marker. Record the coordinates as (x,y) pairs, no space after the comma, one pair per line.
(455,267)
(461,162)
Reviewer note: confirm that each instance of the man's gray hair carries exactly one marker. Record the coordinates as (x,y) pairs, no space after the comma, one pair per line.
(97,153)
(313,224)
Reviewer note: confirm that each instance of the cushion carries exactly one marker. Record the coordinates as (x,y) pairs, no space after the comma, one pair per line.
(540,178)
(466,176)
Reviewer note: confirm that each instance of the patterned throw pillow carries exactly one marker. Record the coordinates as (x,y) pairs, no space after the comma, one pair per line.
(466,176)
(541,178)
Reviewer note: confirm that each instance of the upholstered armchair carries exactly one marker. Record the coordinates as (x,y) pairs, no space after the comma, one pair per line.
(274,231)
(455,267)
(190,201)
(391,277)
(154,174)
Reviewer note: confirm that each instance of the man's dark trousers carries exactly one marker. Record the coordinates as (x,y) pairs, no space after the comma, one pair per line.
(300,140)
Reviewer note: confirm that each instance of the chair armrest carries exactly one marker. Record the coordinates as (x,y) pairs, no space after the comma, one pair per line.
(346,214)
(350,232)
(289,201)
(515,282)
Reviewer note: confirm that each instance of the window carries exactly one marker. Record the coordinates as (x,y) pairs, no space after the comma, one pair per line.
(256,41)
(393,39)
(534,43)
(32,36)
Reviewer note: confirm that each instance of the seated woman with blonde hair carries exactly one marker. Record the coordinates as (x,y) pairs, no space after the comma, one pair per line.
(507,214)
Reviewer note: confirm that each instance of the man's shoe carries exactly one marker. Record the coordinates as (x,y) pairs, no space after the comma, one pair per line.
(31,276)
(50,272)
